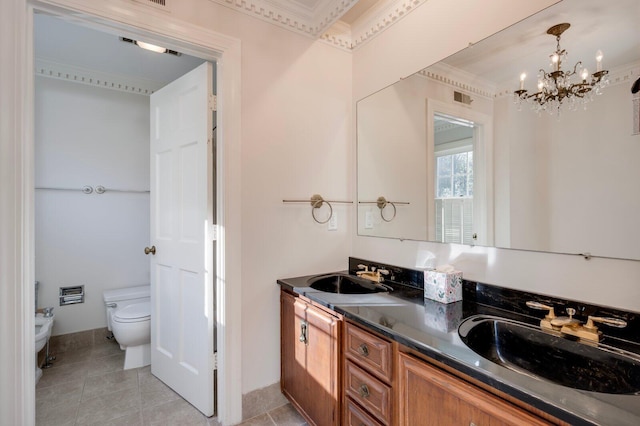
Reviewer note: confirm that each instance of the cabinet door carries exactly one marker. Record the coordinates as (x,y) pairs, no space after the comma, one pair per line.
(293,351)
(310,360)
(430,396)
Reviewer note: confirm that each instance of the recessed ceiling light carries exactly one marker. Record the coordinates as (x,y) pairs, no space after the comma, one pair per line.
(151,47)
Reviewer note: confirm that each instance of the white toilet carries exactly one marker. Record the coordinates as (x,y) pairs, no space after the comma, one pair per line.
(44,325)
(129,318)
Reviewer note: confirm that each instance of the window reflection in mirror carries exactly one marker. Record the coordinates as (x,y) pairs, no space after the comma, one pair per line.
(453,150)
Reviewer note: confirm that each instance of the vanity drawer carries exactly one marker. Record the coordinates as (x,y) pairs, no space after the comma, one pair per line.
(369,351)
(356,416)
(369,392)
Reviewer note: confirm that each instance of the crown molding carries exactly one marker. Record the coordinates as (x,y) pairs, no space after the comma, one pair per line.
(50,69)
(307,18)
(321,19)
(372,23)
(459,79)
(379,18)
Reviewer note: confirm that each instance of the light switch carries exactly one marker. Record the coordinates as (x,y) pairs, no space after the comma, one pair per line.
(333,222)
(368,220)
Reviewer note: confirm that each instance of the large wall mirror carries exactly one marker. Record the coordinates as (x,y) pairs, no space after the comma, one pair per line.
(448,155)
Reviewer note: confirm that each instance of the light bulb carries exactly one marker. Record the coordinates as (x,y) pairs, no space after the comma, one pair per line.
(599,60)
(522,77)
(151,47)
(584,74)
(540,85)
(555,61)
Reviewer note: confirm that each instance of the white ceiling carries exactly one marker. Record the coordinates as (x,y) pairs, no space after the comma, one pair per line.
(61,42)
(612,27)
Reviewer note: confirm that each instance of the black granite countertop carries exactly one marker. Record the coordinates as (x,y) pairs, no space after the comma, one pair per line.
(431,328)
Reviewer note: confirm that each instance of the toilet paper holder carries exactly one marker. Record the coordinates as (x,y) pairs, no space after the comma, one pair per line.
(71,295)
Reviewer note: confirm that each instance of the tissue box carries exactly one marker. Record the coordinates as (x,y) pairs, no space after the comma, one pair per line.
(442,317)
(443,287)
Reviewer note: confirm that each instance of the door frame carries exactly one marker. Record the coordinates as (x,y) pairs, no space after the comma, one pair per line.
(139,21)
(482,164)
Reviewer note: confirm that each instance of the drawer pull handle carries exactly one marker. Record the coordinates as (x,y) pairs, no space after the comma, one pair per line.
(364,391)
(304,336)
(363,349)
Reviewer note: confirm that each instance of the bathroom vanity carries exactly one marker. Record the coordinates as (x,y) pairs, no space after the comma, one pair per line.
(309,361)
(394,358)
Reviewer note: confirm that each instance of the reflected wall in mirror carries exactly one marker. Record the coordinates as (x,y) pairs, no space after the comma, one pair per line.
(471,166)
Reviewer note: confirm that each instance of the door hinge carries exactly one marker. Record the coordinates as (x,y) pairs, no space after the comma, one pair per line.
(213,103)
(214,232)
(214,361)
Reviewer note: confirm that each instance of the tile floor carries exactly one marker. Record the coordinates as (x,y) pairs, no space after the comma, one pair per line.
(89,387)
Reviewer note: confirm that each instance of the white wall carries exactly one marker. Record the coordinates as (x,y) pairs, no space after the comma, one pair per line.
(86,135)
(417,41)
(392,151)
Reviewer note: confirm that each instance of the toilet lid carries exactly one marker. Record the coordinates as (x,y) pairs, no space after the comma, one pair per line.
(134,312)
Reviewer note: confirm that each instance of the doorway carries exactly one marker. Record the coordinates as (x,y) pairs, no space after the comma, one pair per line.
(92,156)
(459,175)
(211,46)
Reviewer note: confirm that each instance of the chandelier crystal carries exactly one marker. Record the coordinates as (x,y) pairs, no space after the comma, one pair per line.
(556,89)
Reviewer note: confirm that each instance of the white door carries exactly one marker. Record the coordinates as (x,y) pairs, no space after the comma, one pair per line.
(182,310)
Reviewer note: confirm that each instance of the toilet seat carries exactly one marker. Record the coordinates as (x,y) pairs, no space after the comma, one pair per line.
(136,312)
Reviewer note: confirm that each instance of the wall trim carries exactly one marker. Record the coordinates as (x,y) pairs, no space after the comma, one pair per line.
(75,74)
(302,20)
(17,377)
(458,79)
(372,23)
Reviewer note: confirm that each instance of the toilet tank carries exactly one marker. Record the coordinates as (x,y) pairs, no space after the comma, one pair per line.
(119,298)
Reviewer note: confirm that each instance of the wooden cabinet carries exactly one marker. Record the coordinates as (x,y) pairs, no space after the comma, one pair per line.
(430,396)
(368,350)
(360,378)
(368,374)
(310,339)
(356,416)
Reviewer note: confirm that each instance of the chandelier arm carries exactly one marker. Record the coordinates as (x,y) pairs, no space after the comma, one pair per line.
(575,67)
(555,87)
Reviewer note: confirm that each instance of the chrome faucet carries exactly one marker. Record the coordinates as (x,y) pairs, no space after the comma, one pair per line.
(48,312)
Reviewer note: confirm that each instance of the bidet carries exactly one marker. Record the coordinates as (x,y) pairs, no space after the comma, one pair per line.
(43,328)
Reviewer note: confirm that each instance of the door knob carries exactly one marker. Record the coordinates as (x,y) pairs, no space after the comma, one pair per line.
(151,250)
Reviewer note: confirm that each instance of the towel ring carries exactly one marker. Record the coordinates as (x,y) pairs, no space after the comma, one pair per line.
(316,203)
(382,202)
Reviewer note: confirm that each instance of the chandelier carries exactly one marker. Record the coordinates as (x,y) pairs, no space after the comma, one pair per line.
(556,89)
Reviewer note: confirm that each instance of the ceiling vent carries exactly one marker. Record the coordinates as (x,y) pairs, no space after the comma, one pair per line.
(157,4)
(462,98)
